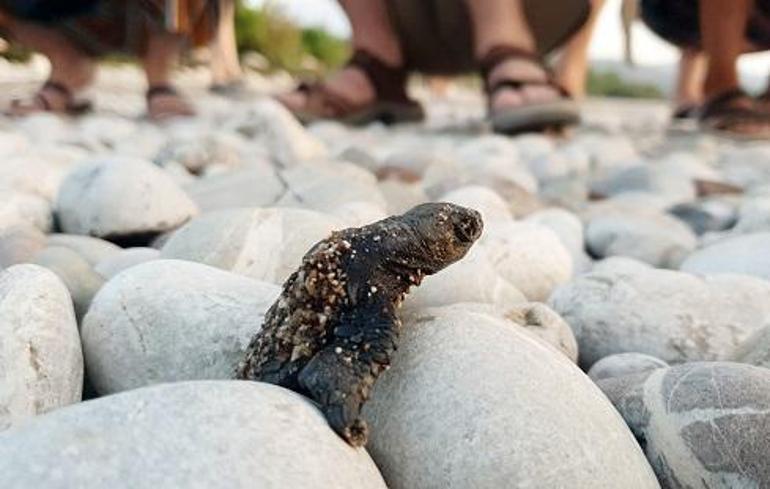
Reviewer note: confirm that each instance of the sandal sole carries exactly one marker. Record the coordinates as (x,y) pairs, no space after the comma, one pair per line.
(383,112)
(536,118)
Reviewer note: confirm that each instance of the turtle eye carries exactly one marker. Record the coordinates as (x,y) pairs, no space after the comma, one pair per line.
(468,229)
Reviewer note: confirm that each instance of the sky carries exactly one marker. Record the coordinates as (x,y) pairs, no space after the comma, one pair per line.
(607,42)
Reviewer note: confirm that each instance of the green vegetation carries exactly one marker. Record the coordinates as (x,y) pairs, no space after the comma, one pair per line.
(268,31)
(609,84)
(14,53)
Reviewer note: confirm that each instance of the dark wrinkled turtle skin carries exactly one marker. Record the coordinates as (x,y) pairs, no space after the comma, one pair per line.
(333,330)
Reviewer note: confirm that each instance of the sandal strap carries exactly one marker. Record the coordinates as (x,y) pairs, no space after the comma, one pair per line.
(157,90)
(500,54)
(62,89)
(719,105)
(503,52)
(389,82)
(326,101)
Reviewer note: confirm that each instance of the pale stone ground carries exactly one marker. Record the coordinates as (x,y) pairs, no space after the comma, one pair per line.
(135,254)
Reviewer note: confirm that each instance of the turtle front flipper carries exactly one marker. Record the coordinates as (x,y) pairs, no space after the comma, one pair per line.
(341,376)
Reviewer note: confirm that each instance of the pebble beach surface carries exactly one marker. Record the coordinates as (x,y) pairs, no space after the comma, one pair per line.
(609,329)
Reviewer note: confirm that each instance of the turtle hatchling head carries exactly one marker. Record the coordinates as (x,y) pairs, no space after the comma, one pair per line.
(440,234)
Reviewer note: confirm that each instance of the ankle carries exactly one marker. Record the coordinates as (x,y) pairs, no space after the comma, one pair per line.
(716,84)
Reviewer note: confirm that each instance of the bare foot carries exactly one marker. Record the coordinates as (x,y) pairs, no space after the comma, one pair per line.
(164,103)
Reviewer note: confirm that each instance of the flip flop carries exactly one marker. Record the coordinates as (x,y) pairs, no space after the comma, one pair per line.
(529,117)
(391,105)
(720,116)
(41,103)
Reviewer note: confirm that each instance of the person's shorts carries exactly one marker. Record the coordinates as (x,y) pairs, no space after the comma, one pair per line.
(115,26)
(437,35)
(677,21)
(47,10)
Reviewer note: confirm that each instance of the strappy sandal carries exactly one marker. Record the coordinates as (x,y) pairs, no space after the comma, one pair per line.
(531,117)
(722,117)
(166,90)
(391,104)
(43,103)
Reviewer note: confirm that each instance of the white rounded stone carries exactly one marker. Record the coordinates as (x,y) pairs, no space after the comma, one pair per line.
(93,250)
(124,260)
(472,402)
(701,424)
(483,199)
(472,279)
(167,321)
(530,256)
(19,244)
(569,228)
(358,214)
(755,350)
(318,186)
(32,174)
(622,364)
(77,274)
(270,124)
(489,161)
(41,362)
(665,183)
(255,185)
(753,216)
(748,255)
(20,208)
(544,323)
(654,238)
(194,435)
(402,196)
(626,306)
(199,151)
(265,244)
(121,197)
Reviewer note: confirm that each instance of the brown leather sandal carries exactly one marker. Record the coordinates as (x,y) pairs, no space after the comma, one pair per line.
(42,102)
(391,105)
(721,116)
(167,90)
(531,117)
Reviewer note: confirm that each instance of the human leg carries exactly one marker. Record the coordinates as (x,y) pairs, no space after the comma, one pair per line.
(373,33)
(225,67)
(162,54)
(572,68)
(522,95)
(72,70)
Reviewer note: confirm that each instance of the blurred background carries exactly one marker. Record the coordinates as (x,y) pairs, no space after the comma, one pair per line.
(311,37)
(323,29)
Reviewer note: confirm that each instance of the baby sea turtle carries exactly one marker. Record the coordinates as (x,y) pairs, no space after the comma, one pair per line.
(333,330)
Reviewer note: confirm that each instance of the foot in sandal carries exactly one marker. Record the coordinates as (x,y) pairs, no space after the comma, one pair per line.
(736,115)
(366,90)
(164,103)
(523,96)
(51,97)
